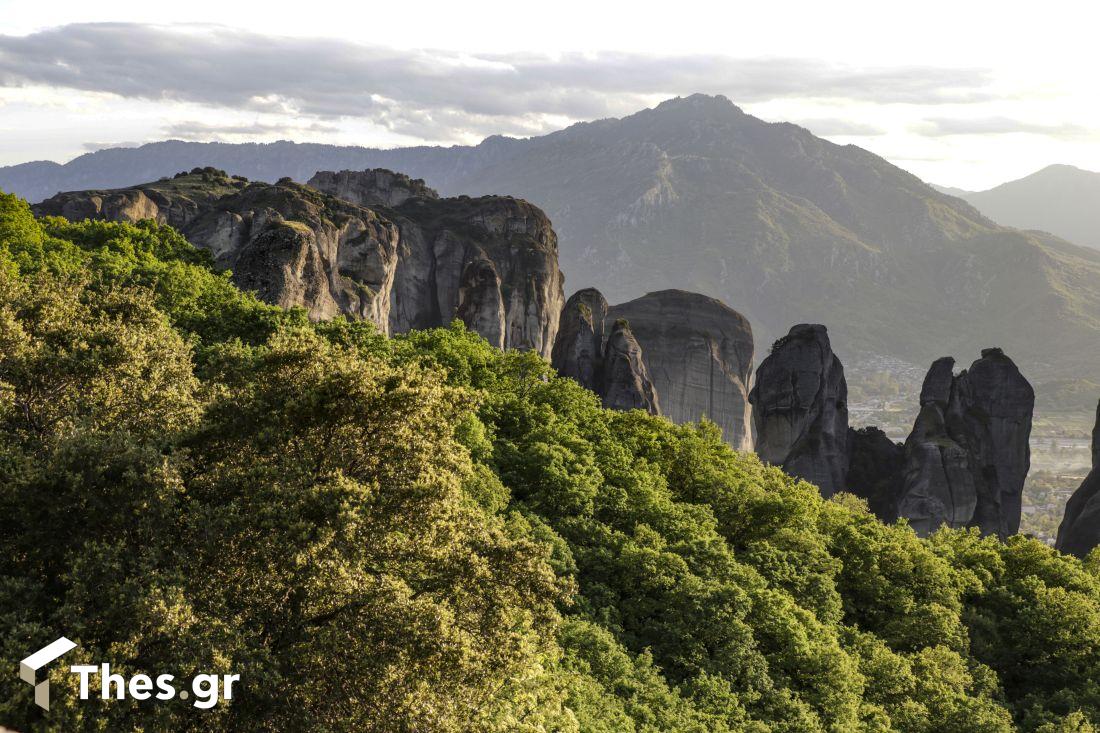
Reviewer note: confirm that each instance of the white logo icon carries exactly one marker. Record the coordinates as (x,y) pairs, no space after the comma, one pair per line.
(29,666)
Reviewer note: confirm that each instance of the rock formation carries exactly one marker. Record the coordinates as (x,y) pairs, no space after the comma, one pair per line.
(372,244)
(699,353)
(375,187)
(874,470)
(491,261)
(678,354)
(1080,528)
(610,361)
(963,465)
(968,454)
(290,244)
(578,348)
(626,381)
(800,409)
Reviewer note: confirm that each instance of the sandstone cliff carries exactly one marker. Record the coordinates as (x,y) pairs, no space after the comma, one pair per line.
(800,409)
(678,354)
(491,261)
(874,470)
(1080,528)
(289,243)
(373,244)
(968,454)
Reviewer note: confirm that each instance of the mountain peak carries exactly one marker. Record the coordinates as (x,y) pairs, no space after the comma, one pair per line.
(699,102)
(1063,169)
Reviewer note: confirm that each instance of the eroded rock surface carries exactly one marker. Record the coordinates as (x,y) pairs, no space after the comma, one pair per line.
(968,454)
(626,384)
(578,348)
(800,408)
(371,244)
(1079,532)
(491,261)
(699,353)
(289,243)
(874,470)
(372,187)
(672,353)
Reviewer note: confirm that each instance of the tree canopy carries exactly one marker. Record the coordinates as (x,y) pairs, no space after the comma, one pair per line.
(423,533)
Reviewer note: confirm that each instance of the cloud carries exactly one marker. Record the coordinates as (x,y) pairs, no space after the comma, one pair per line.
(201,131)
(828,127)
(438,95)
(91,147)
(942,127)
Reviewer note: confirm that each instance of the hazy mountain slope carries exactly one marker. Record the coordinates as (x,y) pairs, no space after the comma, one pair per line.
(120,167)
(1059,199)
(781,225)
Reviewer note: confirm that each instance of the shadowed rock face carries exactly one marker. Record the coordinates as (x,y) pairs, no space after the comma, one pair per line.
(1080,528)
(491,261)
(800,409)
(671,353)
(874,470)
(289,243)
(968,454)
(699,353)
(626,381)
(578,348)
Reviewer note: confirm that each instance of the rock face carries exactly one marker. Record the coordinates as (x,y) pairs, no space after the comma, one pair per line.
(1080,528)
(968,454)
(608,361)
(874,470)
(373,244)
(626,381)
(491,261)
(699,354)
(578,349)
(672,353)
(376,187)
(800,409)
(290,244)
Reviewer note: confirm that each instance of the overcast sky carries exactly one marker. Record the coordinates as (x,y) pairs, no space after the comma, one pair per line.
(961,93)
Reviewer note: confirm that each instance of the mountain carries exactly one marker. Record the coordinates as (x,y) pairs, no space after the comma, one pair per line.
(695,194)
(1059,199)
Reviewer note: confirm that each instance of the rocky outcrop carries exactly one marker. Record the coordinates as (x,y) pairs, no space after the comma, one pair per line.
(491,261)
(578,348)
(626,381)
(373,244)
(874,470)
(800,409)
(968,454)
(374,187)
(1079,532)
(290,244)
(672,353)
(606,359)
(699,354)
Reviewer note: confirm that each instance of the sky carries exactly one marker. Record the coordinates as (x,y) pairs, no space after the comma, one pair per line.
(966,94)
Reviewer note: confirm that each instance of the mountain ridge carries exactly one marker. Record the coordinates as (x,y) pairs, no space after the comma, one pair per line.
(1061,199)
(783,226)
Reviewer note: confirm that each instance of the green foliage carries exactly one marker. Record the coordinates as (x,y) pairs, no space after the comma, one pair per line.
(422,533)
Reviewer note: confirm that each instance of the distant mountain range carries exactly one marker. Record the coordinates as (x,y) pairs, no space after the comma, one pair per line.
(1059,199)
(695,194)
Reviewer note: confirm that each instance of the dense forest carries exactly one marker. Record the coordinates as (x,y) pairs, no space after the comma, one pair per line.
(423,533)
